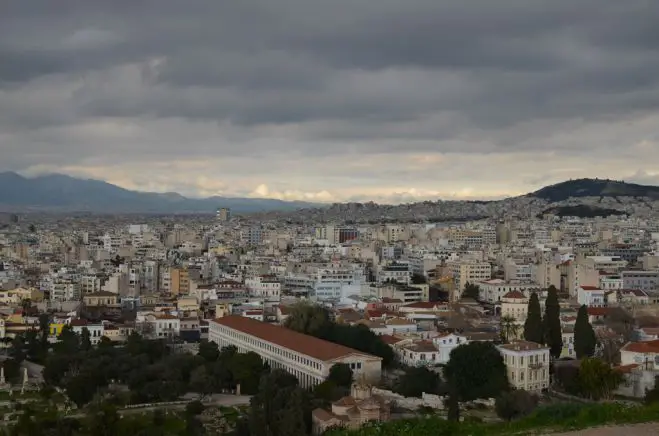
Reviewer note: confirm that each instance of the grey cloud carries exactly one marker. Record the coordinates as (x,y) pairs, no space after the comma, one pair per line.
(363,75)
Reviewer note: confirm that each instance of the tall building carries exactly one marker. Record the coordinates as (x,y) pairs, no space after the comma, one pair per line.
(223,214)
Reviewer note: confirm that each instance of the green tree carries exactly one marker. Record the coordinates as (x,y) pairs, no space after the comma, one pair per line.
(416,381)
(476,370)
(104,421)
(508,328)
(269,405)
(247,369)
(515,404)
(552,323)
(68,341)
(201,381)
(209,351)
(652,395)
(32,228)
(533,325)
(597,380)
(585,340)
(85,340)
(309,319)
(327,392)
(293,421)
(341,374)
(471,291)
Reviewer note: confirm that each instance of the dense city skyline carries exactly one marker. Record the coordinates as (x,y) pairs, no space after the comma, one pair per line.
(390,101)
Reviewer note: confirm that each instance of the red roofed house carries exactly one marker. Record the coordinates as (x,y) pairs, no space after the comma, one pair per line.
(306,357)
(591,296)
(644,353)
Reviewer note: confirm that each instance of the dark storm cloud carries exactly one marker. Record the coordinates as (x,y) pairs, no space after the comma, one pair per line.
(349,71)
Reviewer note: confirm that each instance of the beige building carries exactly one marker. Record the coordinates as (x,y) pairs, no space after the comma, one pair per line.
(515,305)
(467,271)
(528,365)
(179,281)
(101,298)
(306,357)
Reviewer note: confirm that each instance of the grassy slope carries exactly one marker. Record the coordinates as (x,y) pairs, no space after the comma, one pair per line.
(560,417)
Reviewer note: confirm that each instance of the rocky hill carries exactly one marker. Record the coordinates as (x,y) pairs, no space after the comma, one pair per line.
(583,197)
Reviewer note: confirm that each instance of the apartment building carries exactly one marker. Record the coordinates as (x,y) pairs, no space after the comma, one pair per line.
(395,272)
(591,296)
(467,271)
(527,364)
(492,291)
(265,287)
(179,281)
(306,357)
(643,280)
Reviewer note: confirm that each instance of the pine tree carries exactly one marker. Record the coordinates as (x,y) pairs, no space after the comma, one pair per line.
(584,335)
(552,323)
(533,330)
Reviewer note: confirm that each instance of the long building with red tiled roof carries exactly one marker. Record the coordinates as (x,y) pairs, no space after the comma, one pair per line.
(306,357)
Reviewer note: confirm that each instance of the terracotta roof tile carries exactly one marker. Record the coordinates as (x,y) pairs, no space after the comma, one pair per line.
(286,338)
(642,347)
(515,295)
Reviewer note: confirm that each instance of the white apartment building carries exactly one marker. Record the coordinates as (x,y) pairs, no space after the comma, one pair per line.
(395,272)
(306,357)
(528,365)
(468,271)
(492,291)
(265,287)
(591,296)
(96,331)
(447,343)
(335,284)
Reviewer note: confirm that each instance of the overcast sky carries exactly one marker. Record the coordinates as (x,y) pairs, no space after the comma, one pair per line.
(385,100)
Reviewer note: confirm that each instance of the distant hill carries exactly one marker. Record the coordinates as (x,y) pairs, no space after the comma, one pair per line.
(594,188)
(581,211)
(58,192)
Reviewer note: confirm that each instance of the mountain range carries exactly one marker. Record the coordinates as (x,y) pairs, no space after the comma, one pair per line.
(57,192)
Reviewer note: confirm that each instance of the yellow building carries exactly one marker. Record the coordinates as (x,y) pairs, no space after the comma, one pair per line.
(56,328)
(180,281)
(101,298)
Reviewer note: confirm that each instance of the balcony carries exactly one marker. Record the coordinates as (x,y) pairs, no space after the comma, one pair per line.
(537,365)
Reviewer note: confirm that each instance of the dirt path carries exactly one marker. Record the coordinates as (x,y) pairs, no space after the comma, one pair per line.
(648,429)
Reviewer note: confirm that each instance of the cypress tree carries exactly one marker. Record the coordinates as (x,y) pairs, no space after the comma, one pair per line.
(584,335)
(533,330)
(552,323)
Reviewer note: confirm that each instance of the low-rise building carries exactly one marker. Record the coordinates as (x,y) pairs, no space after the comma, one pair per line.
(528,365)
(306,357)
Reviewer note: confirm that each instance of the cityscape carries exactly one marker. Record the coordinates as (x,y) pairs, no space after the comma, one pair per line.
(366,318)
(345,218)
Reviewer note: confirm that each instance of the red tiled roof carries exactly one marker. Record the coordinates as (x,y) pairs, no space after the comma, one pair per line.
(78,322)
(590,288)
(642,347)
(389,339)
(598,311)
(514,295)
(626,369)
(421,305)
(286,338)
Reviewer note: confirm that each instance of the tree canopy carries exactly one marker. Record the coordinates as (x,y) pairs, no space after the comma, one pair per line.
(476,370)
(315,320)
(552,323)
(471,291)
(585,340)
(533,328)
